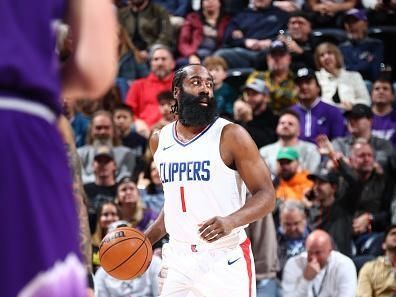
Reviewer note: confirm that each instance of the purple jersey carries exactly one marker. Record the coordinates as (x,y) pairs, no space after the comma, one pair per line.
(321,118)
(28,64)
(385,127)
(39,223)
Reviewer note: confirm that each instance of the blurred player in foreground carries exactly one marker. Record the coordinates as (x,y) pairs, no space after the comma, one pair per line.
(41,256)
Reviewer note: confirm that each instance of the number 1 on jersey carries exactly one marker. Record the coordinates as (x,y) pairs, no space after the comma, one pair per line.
(183,202)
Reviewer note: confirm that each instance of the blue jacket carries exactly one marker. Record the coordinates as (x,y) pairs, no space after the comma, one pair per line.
(364,56)
(258,24)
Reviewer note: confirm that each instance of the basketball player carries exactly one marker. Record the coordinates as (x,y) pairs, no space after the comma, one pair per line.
(204,163)
(40,256)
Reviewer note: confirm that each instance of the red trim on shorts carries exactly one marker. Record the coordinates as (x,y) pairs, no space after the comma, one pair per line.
(245,246)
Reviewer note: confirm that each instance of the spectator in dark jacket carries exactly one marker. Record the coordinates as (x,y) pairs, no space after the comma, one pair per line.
(251,32)
(361,53)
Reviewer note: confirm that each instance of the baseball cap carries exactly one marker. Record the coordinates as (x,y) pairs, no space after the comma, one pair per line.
(358,14)
(324,175)
(305,74)
(359,111)
(288,153)
(105,151)
(257,85)
(301,13)
(278,46)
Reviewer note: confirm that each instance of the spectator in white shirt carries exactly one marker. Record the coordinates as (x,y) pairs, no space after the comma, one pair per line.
(320,271)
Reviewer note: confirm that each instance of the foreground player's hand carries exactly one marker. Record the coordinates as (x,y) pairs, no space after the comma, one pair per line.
(215,228)
(312,269)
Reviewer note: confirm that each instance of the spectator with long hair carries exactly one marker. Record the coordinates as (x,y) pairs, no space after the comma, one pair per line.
(202,32)
(340,87)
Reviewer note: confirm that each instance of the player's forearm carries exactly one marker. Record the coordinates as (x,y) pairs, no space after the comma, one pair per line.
(255,208)
(157,230)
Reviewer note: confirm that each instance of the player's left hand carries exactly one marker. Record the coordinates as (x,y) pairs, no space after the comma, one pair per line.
(215,228)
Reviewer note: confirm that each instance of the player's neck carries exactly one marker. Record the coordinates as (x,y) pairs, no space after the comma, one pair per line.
(186,133)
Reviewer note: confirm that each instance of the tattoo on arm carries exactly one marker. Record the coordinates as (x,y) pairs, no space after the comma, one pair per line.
(81,204)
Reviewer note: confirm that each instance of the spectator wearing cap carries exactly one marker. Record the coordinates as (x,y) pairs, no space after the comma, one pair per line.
(254,114)
(288,131)
(291,183)
(384,116)
(278,78)
(102,131)
(361,53)
(103,189)
(328,212)
(299,40)
(359,123)
(250,33)
(340,87)
(366,191)
(316,116)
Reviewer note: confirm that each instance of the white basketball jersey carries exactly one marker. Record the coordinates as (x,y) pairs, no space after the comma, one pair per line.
(197,184)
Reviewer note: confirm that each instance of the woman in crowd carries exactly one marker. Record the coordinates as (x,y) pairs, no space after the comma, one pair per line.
(339,87)
(106,214)
(202,32)
(133,209)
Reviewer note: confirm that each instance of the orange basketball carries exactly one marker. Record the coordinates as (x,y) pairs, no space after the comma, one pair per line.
(125,253)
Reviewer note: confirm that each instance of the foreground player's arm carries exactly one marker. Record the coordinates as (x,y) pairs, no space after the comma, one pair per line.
(239,151)
(90,70)
(156,230)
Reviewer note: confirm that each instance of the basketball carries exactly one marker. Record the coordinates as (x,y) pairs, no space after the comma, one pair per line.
(125,253)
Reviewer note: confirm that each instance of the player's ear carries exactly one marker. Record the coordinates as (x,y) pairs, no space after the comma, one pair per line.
(176,92)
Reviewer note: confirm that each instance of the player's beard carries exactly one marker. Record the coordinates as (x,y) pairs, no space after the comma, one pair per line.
(192,113)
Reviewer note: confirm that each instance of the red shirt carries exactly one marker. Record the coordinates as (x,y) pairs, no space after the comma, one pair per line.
(142,97)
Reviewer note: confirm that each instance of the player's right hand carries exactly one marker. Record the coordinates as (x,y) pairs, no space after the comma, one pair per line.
(215,228)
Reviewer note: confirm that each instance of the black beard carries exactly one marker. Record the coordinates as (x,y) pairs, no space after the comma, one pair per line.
(192,113)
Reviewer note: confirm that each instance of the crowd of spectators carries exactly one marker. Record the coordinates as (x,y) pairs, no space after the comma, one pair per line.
(320,109)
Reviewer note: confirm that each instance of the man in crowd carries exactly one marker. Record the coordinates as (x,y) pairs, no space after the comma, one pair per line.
(102,132)
(361,53)
(359,123)
(316,116)
(292,232)
(254,114)
(377,278)
(290,182)
(328,212)
(384,116)
(142,95)
(278,78)
(251,32)
(320,271)
(288,131)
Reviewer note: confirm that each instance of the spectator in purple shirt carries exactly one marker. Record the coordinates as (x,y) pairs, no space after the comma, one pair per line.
(384,117)
(316,116)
